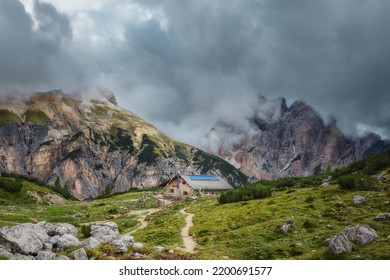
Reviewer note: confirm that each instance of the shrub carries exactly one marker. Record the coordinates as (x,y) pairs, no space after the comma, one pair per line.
(94,254)
(245,193)
(86,230)
(11,186)
(357,182)
(107,248)
(308,224)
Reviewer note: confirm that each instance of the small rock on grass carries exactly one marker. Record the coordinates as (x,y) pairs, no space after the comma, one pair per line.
(79,254)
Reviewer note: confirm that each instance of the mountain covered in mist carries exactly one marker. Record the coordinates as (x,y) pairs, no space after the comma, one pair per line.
(288,141)
(93,147)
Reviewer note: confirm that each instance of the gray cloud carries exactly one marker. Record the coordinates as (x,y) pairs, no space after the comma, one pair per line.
(184,65)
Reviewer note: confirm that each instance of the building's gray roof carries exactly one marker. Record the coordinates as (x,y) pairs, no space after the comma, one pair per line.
(206,182)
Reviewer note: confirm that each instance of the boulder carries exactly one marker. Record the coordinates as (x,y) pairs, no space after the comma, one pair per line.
(46,255)
(79,254)
(123,243)
(382,216)
(284,228)
(159,249)
(21,257)
(91,243)
(358,199)
(360,234)
(47,247)
(106,232)
(61,229)
(5,252)
(138,245)
(62,258)
(340,244)
(27,239)
(53,240)
(67,241)
(336,197)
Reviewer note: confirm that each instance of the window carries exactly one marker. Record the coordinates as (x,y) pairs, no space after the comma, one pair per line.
(172,190)
(183,182)
(185,193)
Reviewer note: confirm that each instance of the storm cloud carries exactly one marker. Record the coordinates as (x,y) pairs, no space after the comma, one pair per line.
(184,65)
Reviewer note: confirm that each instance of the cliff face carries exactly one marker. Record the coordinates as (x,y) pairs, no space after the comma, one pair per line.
(290,141)
(94,146)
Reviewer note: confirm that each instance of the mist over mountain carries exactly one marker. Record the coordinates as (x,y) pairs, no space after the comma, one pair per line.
(287,141)
(200,62)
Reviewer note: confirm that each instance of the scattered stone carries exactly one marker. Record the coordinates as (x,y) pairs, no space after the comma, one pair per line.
(380,178)
(326,182)
(170,252)
(46,255)
(27,239)
(139,256)
(284,228)
(54,240)
(159,249)
(106,232)
(61,229)
(358,199)
(335,197)
(62,258)
(79,254)
(138,245)
(123,244)
(21,257)
(386,203)
(340,244)
(48,247)
(382,216)
(360,234)
(4,252)
(290,223)
(91,243)
(40,241)
(67,241)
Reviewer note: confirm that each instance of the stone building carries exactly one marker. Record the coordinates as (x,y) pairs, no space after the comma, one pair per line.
(182,186)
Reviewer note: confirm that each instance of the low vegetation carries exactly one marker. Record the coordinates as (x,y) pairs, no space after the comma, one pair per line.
(247,192)
(37,117)
(7,116)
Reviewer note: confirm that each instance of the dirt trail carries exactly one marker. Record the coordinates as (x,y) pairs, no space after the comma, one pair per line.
(189,243)
(143,214)
(142,218)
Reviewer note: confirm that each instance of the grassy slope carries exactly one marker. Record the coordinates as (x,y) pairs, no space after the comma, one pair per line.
(246,230)
(21,208)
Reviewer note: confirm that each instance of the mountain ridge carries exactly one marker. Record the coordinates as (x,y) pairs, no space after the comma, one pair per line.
(94,146)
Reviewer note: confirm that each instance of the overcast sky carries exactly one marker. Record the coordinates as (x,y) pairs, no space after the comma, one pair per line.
(183,65)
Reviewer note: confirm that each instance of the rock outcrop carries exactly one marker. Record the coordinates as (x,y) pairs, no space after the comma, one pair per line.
(358,234)
(41,242)
(93,147)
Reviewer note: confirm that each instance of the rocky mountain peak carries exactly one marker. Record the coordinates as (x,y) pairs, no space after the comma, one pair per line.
(94,146)
(292,141)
